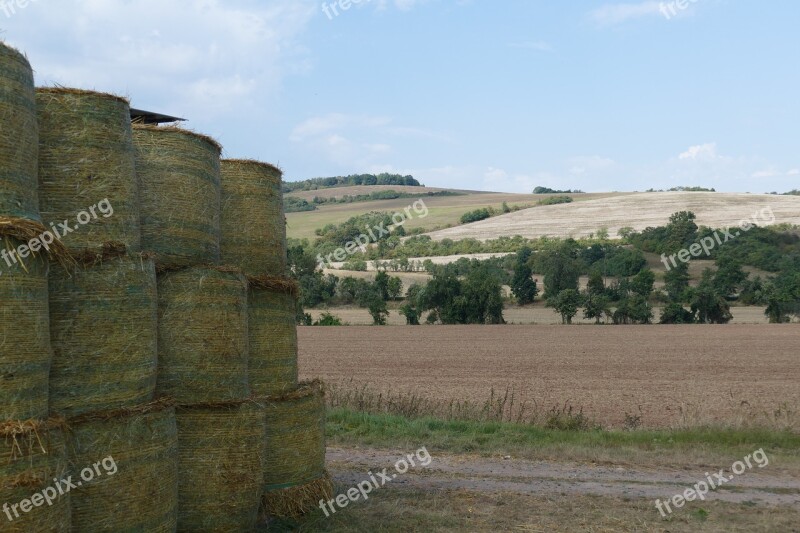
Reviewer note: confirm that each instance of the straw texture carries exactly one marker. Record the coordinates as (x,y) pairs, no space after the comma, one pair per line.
(221,467)
(103,327)
(19,137)
(86,157)
(143,493)
(294,452)
(25,354)
(180,194)
(32,454)
(253,228)
(273,341)
(202,336)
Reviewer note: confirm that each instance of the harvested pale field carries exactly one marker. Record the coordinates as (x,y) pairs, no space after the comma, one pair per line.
(669,375)
(638,211)
(443,211)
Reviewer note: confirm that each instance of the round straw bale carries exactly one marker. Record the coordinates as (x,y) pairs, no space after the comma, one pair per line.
(32,456)
(202,336)
(180,195)
(19,137)
(86,168)
(25,354)
(104,333)
(253,224)
(127,464)
(273,341)
(221,467)
(294,452)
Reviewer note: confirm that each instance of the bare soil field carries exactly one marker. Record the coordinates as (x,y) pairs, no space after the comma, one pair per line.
(671,376)
(580,219)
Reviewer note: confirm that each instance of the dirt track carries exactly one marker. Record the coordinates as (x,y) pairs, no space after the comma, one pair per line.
(480,474)
(670,375)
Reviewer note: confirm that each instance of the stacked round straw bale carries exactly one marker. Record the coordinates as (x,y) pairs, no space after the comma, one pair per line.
(220,466)
(203,336)
(32,454)
(103,318)
(126,463)
(179,172)
(31,446)
(295,479)
(253,224)
(86,157)
(253,236)
(134,360)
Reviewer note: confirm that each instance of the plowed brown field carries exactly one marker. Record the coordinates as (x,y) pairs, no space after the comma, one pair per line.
(669,375)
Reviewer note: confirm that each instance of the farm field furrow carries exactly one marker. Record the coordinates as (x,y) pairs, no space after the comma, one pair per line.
(669,375)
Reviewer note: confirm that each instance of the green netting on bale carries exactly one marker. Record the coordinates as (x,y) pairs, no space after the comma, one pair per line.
(104,333)
(202,335)
(253,224)
(143,493)
(294,452)
(180,194)
(273,341)
(25,354)
(32,455)
(221,467)
(19,137)
(85,160)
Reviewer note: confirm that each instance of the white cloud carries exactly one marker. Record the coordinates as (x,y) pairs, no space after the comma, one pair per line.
(794,172)
(355,142)
(700,152)
(195,58)
(612,14)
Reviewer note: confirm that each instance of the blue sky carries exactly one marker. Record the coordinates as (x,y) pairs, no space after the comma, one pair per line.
(502,95)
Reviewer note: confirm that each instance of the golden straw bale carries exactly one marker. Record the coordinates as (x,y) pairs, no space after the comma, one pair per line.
(19,137)
(221,467)
(253,224)
(202,335)
(104,333)
(25,353)
(86,160)
(295,478)
(131,456)
(179,172)
(273,338)
(32,455)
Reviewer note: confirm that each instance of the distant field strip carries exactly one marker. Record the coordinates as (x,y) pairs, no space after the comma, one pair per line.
(638,211)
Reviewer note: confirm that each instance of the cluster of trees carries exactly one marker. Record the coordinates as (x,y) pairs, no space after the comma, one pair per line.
(292,204)
(476,297)
(547,190)
(684,189)
(347,181)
